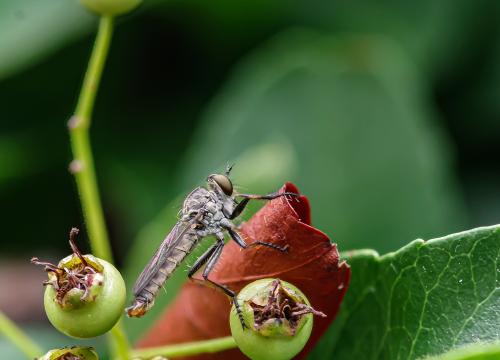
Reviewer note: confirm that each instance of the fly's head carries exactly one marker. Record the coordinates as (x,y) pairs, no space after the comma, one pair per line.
(221,184)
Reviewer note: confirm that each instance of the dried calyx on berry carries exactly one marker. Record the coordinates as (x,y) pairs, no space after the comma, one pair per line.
(279,311)
(84,295)
(77,279)
(274,322)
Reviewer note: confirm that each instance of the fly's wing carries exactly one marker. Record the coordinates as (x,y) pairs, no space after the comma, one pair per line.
(151,269)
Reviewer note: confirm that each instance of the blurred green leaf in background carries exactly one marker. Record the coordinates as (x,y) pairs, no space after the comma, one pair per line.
(31,30)
(384,114)
(369,153)
(349,116)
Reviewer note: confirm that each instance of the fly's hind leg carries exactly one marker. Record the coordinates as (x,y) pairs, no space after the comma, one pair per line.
(210,265)
(210,258)
(202,260)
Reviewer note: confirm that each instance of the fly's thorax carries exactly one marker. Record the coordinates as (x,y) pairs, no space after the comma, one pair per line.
(195,201)
(209,202)
(214,207)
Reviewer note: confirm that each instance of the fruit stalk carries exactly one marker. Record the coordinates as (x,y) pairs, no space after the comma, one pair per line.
(82,165)
(187,349)
(18,337)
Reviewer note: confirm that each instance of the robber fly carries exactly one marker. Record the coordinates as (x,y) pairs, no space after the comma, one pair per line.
(206,211)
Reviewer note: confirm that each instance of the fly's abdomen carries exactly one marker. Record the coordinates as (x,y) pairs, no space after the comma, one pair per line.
(172,261)
(144,298)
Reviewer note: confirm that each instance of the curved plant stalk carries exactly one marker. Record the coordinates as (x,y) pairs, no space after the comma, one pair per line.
(18,337)
(82,165)
(187,349)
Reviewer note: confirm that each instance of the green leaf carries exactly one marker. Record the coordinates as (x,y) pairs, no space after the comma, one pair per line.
(32,29)
(479,351)
(437,34)
(424,299)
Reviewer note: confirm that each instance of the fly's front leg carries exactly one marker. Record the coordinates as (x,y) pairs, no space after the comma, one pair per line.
(239,208)
(239,240)
(247,197)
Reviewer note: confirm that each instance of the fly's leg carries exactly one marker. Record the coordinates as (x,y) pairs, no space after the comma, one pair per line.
(202,260)
(212,260)
(239,208)
(270,196)
(239,240)
(211,264)
(247,197)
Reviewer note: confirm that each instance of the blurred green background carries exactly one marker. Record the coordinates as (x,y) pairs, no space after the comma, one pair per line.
(385,114)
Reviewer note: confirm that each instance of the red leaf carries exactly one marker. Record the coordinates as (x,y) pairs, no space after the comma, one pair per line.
(312,264)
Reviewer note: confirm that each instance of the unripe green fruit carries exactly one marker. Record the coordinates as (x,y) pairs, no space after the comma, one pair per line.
(111,7)
(92,314)
(80,352)
(271,337)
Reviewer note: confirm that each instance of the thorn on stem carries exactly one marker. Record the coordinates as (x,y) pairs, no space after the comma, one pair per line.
(75,166)
(74,122)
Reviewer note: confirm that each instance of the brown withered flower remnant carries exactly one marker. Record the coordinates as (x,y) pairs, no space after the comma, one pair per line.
(312,264)
(280,305)
(75,275)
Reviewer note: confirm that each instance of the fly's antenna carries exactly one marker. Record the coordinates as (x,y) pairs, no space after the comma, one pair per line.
(228,169)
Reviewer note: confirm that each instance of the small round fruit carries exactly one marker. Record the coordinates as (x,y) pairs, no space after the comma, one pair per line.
(73,352)
(90,312)
(111,7)
(277,319)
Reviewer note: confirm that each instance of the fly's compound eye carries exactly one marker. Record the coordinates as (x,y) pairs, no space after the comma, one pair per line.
(224,183)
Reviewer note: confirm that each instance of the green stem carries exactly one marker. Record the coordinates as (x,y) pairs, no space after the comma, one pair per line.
(82,165)
(187,349)
(121,347)
(18,337)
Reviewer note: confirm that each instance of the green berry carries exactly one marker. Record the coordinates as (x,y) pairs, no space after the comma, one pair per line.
(277,318)
(111,7)
(84,296)
(74,352)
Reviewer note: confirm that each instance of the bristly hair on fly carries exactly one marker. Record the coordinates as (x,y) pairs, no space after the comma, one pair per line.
(229,168)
